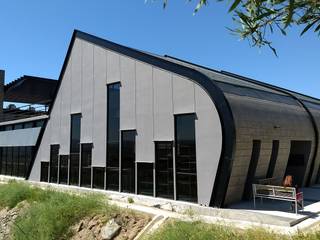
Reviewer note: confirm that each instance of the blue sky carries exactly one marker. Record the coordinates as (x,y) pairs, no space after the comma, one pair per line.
(35,34)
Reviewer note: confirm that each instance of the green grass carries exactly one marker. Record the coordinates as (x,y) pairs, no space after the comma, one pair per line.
(51,213)
(176,230)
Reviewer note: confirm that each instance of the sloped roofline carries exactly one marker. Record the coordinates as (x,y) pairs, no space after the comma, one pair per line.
(217,96)
(251,80)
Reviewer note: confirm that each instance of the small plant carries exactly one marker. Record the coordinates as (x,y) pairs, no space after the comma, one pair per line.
(190,213)
(130,200)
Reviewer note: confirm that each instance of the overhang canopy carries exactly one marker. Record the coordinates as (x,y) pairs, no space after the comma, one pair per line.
(29,89)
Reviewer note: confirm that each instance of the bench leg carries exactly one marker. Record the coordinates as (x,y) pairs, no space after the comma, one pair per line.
(254,201)
(296,206)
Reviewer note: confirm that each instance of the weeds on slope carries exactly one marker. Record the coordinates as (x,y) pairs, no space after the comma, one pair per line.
(176,230)
(51,213)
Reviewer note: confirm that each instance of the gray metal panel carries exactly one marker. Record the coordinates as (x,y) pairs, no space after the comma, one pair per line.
(76,76)
(127,94)
(208,144)
(20,137)
(183,95)
(100,108)
(87,93)
(163,105)
(65,95)
(144,113)
(113,67)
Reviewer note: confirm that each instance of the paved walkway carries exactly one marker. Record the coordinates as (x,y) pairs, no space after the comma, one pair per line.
(281,212)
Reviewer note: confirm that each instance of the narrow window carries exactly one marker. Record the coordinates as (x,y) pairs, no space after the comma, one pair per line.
(18,126)
(256,145)
(63,169)
(113,128)
(185,150)
(44,171)
(15,161)
(75,149)
(86,152)
(54,157)
(128,161)
(145,178)
(8,127)
(98,177)
(164,169)
(29,156)
(39,123)
(4,160)
(9,161)
(28,125)
(22,161)
(1,159)
(273,158)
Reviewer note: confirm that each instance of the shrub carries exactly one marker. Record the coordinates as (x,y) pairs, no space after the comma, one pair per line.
(51,219)
(176,230)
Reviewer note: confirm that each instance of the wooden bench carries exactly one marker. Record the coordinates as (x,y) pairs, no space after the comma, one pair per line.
(288,194)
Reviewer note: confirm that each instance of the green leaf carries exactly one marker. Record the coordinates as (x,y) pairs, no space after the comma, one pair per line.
(273,50)
(283,32)
(317,28)
(290,13)
(199,5)
(234,5)
(308,27)
(165,3)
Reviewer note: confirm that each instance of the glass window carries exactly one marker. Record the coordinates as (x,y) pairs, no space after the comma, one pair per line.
(28,125)
(86,153)
(128,161)
(44,171)
(145,178)
(9,161)
(75,133)
(63,169)
(15,161)
(8,127)
(74,169)
(39,123)
(186,171)
(247,193)
(98,177)
(164,169)
(29,156)
(75,149)
(273,158)
(3,160)
(54,156)
(18,126)
(22,161)
(113,128)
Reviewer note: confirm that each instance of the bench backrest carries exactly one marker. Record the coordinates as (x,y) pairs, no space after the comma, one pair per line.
(270,181)
(274,191)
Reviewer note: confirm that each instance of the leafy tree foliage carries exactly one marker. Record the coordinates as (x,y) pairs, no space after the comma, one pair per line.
(258,19)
